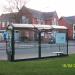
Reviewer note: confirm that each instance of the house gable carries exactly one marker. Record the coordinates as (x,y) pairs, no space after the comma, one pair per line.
(64,22)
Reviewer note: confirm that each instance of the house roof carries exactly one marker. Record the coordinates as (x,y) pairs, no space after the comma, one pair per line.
(42,15)
(35,14)
(70,19)
(7,17)
(48,15)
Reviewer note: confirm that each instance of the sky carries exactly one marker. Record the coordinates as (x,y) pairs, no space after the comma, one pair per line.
(62,7)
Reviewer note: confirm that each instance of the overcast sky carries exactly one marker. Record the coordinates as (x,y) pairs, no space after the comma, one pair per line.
(62,7)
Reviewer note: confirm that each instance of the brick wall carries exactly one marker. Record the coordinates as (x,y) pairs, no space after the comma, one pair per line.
(63,22)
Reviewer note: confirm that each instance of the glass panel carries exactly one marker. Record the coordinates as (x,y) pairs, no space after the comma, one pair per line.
(51,45)
(27,46)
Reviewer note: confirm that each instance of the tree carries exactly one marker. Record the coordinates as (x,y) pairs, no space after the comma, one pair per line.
(12,8)
(14,5)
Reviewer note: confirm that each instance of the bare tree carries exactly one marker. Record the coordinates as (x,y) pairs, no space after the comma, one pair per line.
(14,5)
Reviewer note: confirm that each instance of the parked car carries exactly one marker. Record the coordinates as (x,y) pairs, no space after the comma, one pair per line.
(52,40)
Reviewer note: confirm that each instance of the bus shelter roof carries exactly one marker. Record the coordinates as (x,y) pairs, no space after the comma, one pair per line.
(37,26)
(58,27)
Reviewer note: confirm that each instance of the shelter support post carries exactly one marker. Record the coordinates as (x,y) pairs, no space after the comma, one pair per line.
(67,40)
(12,46)
(39,44)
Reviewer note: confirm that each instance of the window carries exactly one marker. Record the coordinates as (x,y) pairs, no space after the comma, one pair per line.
(40,21)
(74,36)
(0,22)
(74,28)
(7,23)
(27,33)
(42,34)
(54,21)
(25,20)
(1,36)
(3,24)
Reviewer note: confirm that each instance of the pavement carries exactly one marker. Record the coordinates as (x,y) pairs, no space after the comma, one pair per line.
(30,50)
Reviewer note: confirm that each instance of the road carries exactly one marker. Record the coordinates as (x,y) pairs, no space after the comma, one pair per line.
(23,50)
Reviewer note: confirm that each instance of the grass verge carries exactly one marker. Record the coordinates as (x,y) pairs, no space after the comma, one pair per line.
(49,66)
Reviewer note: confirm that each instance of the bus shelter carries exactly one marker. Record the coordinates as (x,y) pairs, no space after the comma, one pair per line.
(34,41)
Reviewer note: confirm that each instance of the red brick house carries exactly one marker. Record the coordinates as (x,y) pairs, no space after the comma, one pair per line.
(28,16)
(69,22)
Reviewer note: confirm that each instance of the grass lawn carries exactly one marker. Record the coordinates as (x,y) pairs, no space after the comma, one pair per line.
(49,66)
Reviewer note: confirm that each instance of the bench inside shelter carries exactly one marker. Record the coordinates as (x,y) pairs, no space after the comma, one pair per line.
(58,53)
